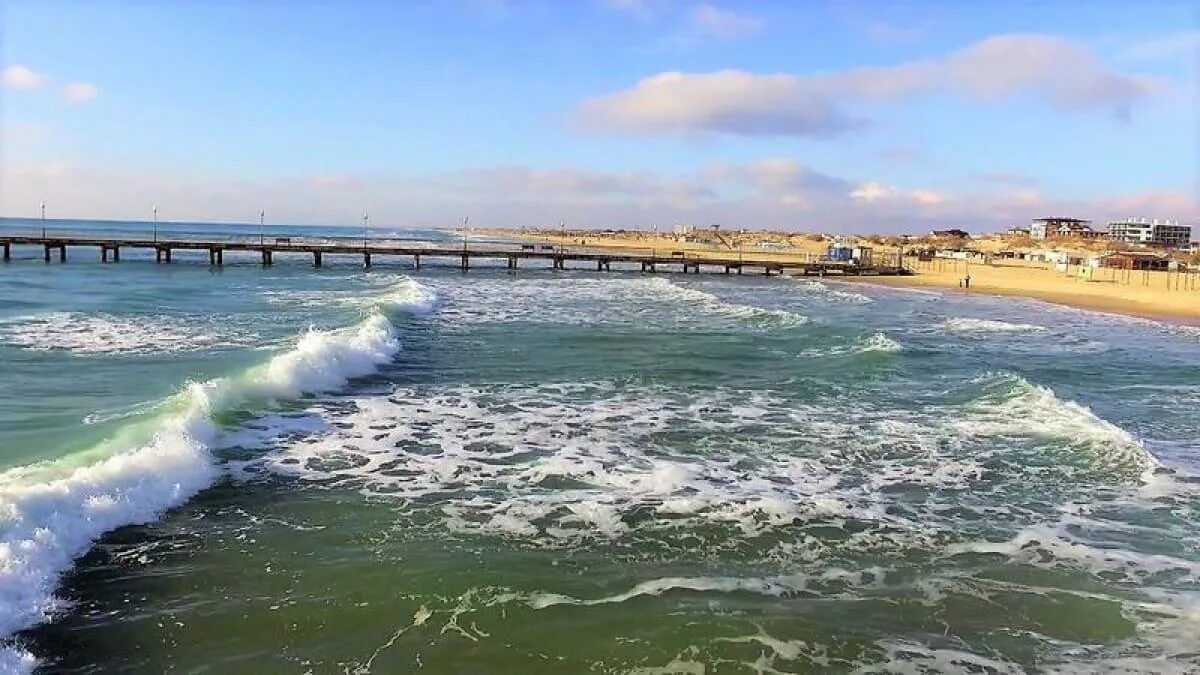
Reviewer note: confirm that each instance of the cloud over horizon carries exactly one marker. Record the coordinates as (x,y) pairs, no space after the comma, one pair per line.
(21,77)
(1063,74)
(775,193)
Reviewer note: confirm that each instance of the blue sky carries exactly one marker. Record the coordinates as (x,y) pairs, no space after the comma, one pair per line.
(840,116)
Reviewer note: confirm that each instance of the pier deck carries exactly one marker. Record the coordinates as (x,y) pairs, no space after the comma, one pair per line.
(558,257)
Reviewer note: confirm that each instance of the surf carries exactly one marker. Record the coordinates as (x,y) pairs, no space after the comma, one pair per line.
(52,512)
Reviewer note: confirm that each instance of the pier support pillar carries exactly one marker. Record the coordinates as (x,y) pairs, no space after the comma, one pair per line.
(416,262)
(366,260)
(103,254)
(7,252)
(466,262)
(599,265)
(266,257)
(316,258)
(116,253)
(158,255)
(167,255)
(47,252)
(220,257)
(62,253)
(212,256)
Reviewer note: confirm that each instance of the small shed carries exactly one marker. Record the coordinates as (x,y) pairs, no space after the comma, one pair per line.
(1135,260)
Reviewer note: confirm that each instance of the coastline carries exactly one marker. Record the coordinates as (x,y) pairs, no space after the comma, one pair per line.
(1160,296)
(1169,311)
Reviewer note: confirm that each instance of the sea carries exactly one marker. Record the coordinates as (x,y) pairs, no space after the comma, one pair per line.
(388,470)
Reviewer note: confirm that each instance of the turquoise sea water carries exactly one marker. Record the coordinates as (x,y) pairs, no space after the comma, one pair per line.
(294,470)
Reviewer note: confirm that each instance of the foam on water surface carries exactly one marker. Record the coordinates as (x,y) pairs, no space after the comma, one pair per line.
(99,334)
(52,512)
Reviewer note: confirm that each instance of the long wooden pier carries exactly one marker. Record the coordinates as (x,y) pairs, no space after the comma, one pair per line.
(648,260)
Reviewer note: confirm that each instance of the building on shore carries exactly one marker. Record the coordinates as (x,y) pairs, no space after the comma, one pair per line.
(1134,260)
(1062,228)
(1154,233)
(1018,231)
(952,234)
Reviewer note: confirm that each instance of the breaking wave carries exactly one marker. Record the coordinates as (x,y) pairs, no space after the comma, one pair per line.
(971,325)
(708,301)
(50,513)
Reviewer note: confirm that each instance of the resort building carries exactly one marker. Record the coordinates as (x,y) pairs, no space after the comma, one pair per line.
(1141,231)
(1062,228)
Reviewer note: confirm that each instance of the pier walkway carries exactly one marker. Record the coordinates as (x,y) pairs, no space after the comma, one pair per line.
(513,255)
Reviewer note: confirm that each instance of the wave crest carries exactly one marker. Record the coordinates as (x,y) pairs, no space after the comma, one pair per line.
(51,513)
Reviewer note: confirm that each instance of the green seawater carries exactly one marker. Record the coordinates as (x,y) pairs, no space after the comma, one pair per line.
(284,469)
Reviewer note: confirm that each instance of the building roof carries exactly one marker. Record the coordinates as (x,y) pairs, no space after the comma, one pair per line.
(1135,254)
(1060,220)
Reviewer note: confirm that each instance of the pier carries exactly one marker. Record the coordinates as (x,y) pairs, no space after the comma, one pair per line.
(514,255)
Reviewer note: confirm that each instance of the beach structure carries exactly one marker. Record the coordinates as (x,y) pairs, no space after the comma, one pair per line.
(583,257)
(953,234)
(1018,231)
(1062,228)
(1134,260)
(1167,233)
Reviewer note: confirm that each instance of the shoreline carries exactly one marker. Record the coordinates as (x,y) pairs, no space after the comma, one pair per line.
(1105,305)
(1160,295)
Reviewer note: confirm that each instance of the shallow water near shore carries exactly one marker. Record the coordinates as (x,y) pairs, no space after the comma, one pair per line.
(357,471)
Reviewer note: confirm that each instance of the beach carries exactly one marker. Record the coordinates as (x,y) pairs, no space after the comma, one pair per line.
(1165,295)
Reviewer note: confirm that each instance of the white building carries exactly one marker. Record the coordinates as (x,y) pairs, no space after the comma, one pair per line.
(1141,231)
(683,229)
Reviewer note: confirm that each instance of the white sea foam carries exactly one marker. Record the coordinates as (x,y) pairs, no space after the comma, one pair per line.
(782,585)
(564,465)
(711,303)
(52,512)
(875,342)
(972,325)
(1016,407)
(825,291)
(102,333)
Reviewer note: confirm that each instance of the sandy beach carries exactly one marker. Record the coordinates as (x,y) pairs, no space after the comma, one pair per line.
(1170,296)
(1160,295)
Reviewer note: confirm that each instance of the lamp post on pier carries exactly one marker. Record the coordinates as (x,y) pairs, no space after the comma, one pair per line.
(43,220)
(154,209)
(262,214)
(366,220)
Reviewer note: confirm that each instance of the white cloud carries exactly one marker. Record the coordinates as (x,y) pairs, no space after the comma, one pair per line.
(80,92)
(1064,74)
(770,193)
(873,192)
(712,21)
(928,197)
(21,77)
(727,101)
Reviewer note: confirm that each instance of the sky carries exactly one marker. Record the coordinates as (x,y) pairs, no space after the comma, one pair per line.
(833,117)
